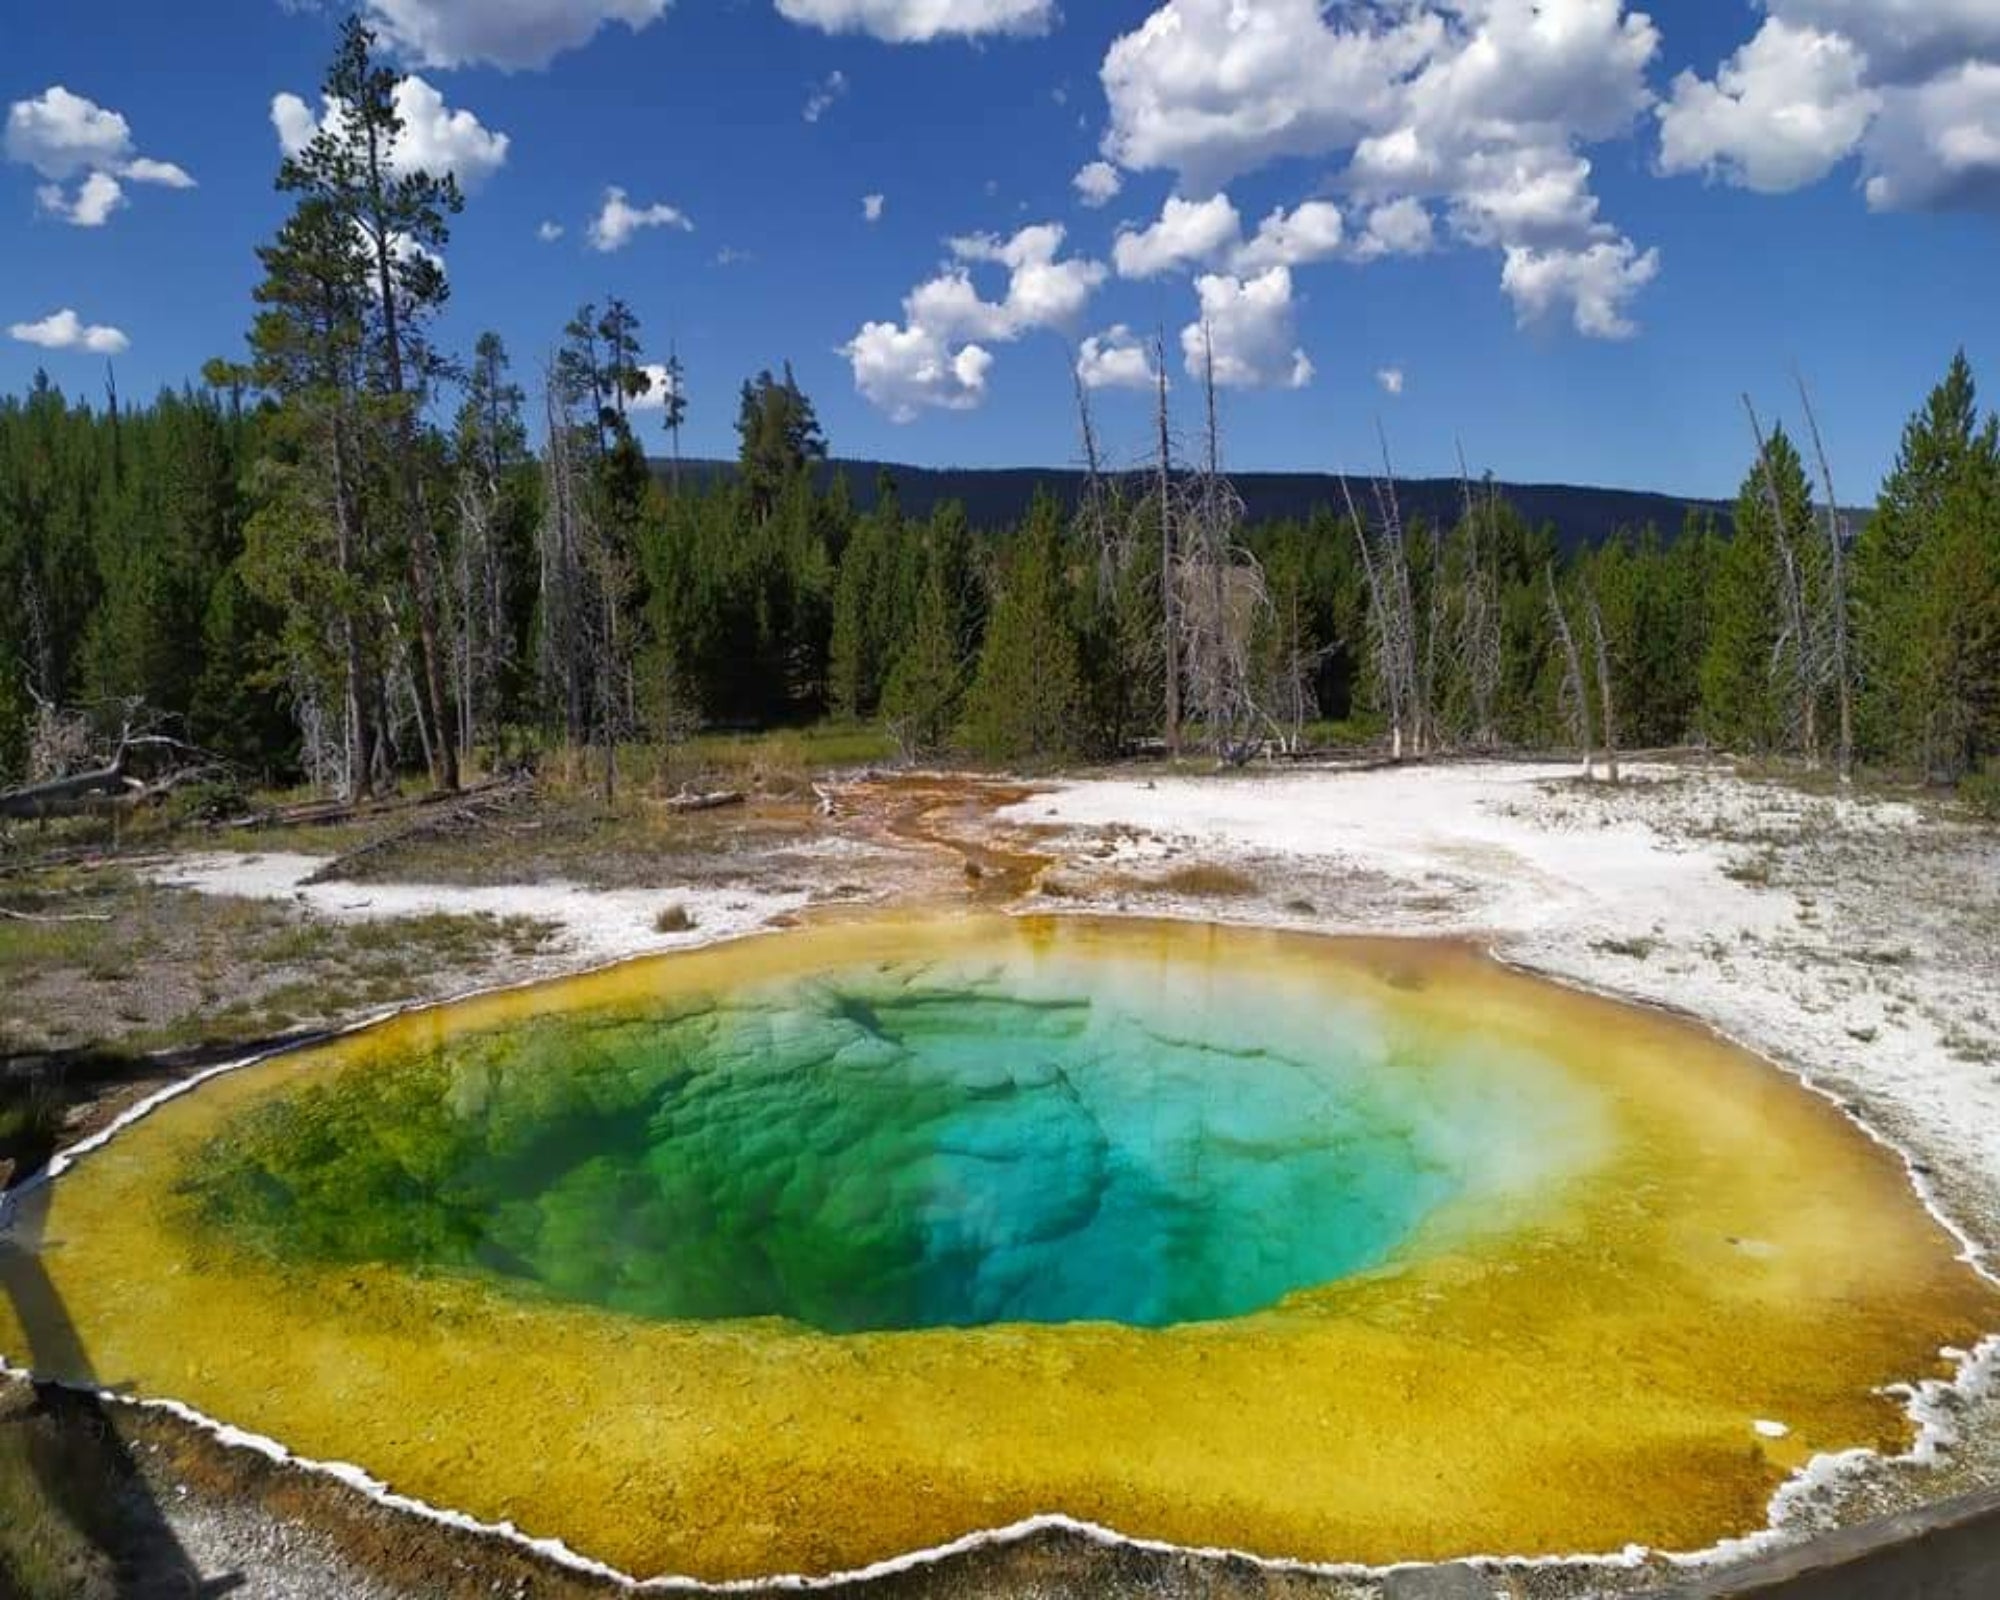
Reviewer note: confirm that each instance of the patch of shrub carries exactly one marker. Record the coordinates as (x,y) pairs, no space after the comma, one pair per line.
(1981,791)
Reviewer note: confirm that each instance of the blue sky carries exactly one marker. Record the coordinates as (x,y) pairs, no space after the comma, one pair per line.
(1819,179)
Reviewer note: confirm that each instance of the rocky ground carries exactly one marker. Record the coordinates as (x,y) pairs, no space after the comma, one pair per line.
(1854,940)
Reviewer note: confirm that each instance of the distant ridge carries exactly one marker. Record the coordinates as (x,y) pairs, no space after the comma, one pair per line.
(995,496)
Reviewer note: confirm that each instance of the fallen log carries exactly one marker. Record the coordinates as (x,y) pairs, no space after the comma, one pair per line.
(83,791)
(478,807)
(713,801)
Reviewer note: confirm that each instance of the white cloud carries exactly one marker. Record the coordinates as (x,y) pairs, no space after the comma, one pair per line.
(1479,106)
(1391,380)
(821,99)
(1251,327)
(64,330)
(1313,232)
(1043,289)
(872,206)
(905,370)
(167,174)
(1098,183)
(1397,228)
(618,220)
(1782,112)
(1937,145)
(920,21)
(1594,284)
(1115,359)
(435,139)
(549,232)
(65,136)
(510,34)
(1188,231)
(937,356)
(1912,86)
(1906,41)
(95,199)
(60,134)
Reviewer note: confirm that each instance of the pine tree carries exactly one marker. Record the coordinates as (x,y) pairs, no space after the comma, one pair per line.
(349,170)
(778,434)
(1744,700)
(1921,577)
(1026,701)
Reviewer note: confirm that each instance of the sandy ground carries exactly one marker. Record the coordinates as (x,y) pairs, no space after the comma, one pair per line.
(1854,941)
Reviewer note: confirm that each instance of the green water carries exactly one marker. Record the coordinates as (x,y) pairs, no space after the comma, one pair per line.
(1030,1138)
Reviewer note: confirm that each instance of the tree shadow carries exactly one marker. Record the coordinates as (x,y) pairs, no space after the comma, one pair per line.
(83,1467)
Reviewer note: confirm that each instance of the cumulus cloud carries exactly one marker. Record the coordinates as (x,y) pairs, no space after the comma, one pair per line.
(60,134)
(618,220)
(1936,145)
(1188,231)
(1097,184)
(1313,232)
(872,206)
(549,232)
(1391,381)
(906,369)
(1479,108)
(920,21)
(65,330)
(1911,87)
(1397,228)
(435,139)
(937,356)
(510,34)
(1781,113)
(64,136)
(1594,285)
(820,101)
(1115,359)
(1249,328)
(91,206)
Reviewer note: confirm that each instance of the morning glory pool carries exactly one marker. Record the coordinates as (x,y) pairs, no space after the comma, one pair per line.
(810,1251)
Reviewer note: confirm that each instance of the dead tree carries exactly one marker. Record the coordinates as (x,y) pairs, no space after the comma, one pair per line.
(112,783)
(1797,657)
(1393,557)
(1574,698)
(1093,521)
(561,568)
(1601,648)
(1392,630)
(1170,622)
(1839,657)
(1479,642)
(1222,597)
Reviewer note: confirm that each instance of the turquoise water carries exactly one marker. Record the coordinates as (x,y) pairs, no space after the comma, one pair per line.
(1032,1139)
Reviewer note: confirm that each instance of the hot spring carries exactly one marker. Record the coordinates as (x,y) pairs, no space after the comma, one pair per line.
(802,1253)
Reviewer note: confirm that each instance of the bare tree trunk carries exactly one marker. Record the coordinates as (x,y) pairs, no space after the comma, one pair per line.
(1836,600)
(359,729)
(1388,618)
(1169,607)
(1575,697)
(1602,649)
(1798,641)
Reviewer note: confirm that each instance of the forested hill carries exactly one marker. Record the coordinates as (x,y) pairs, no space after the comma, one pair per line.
(997,497)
